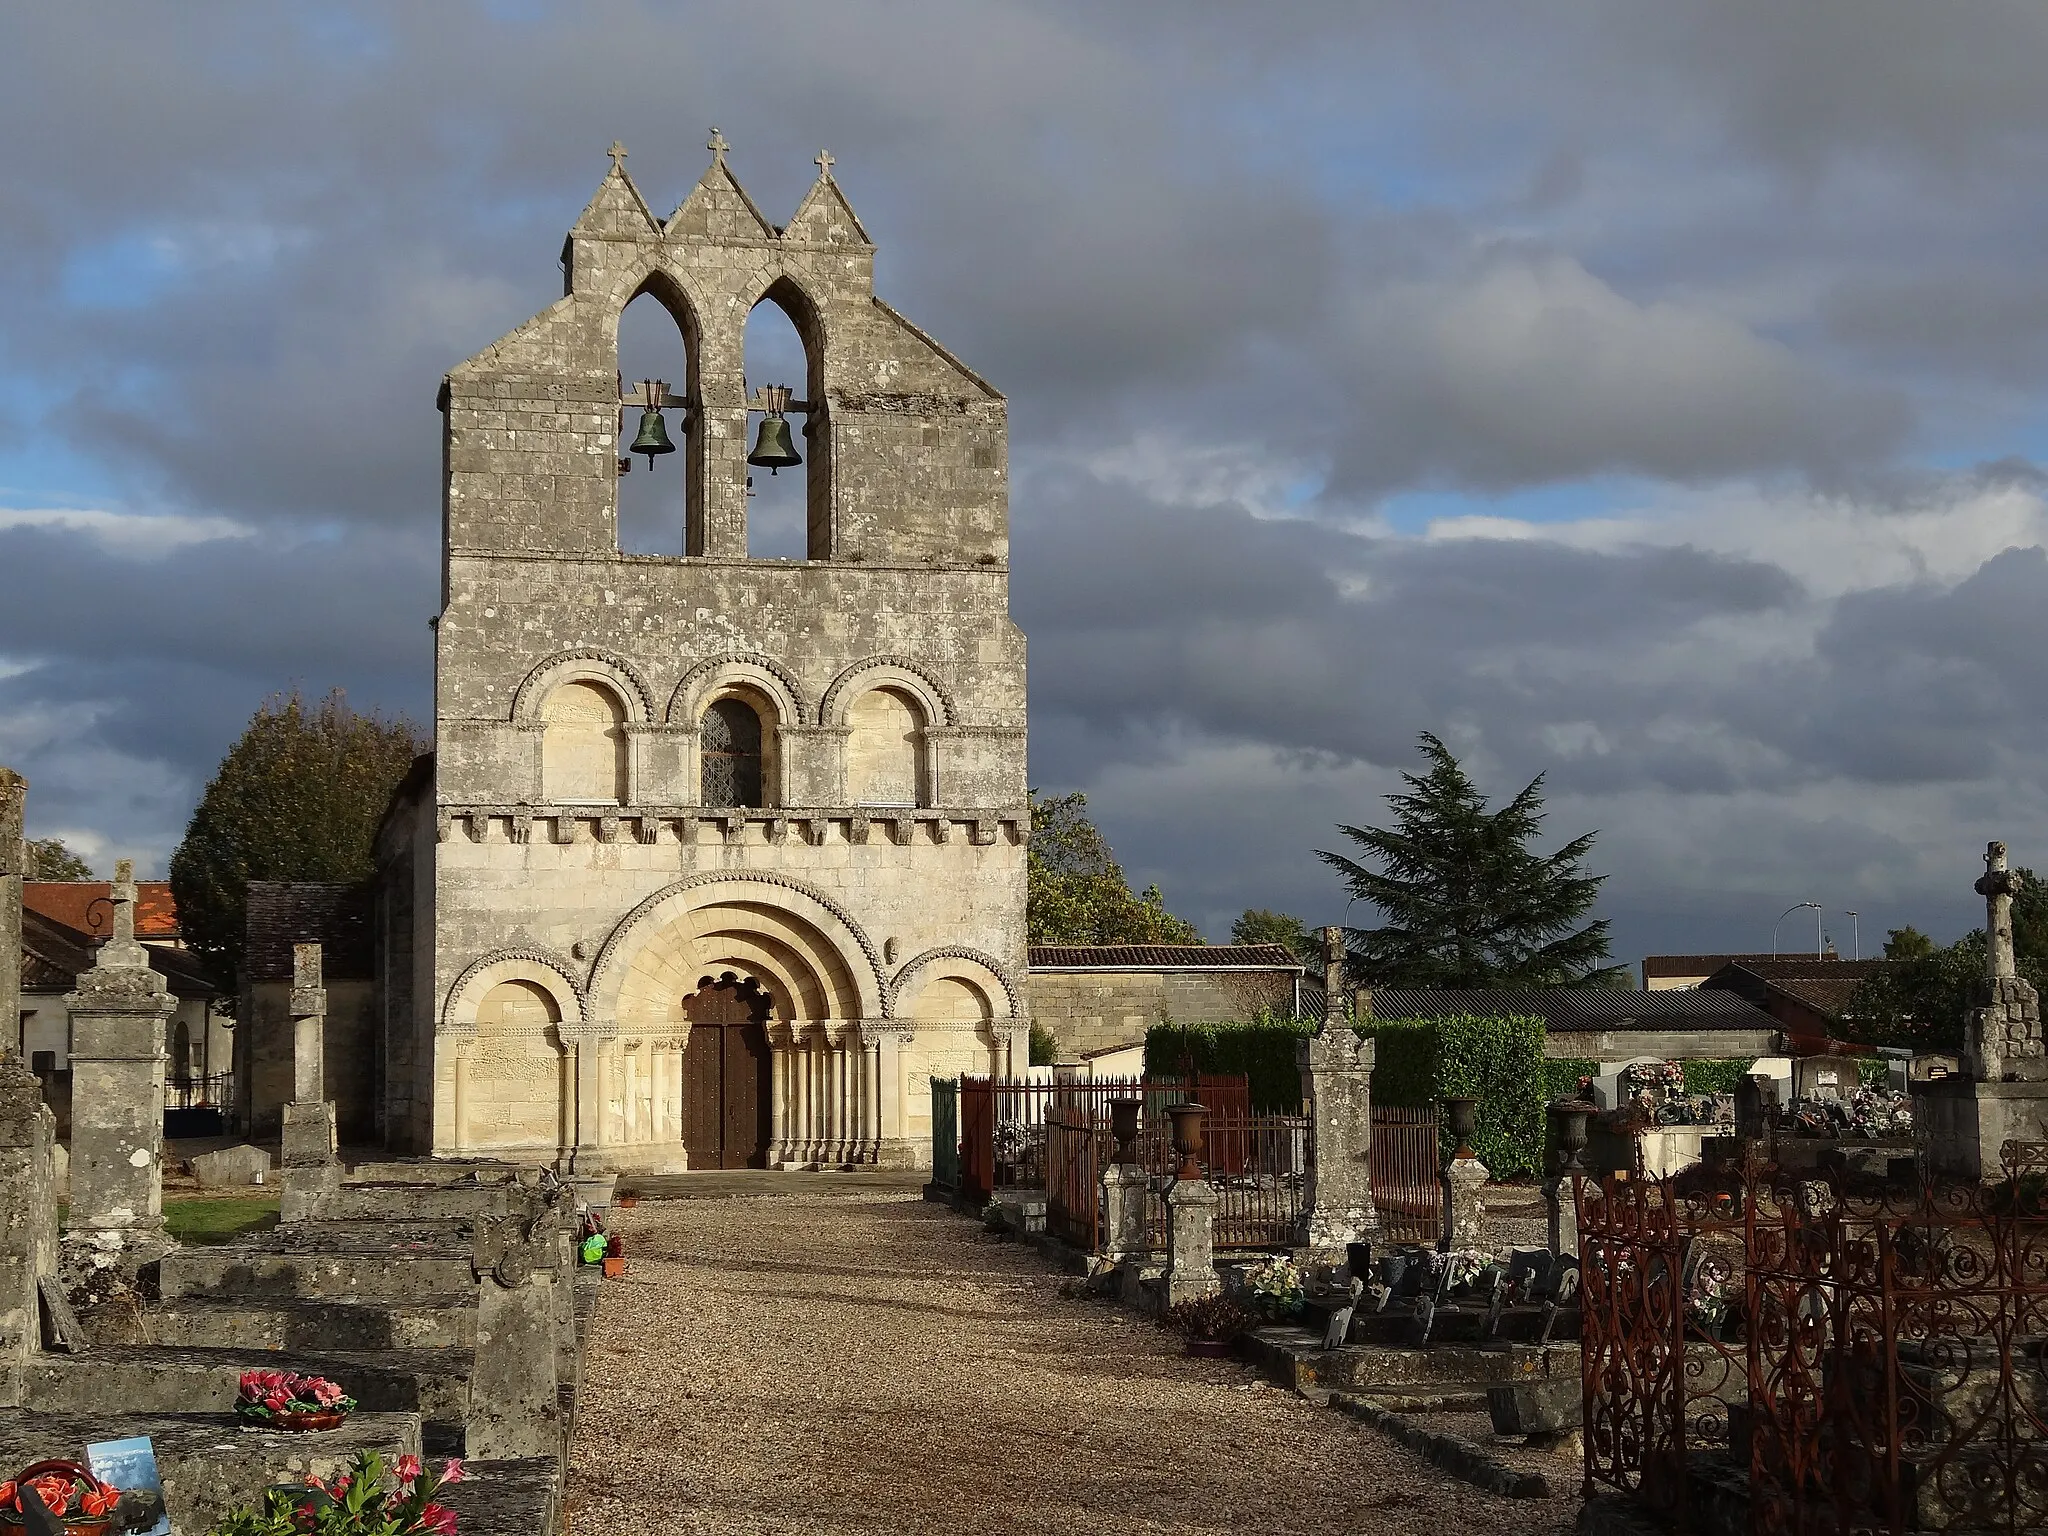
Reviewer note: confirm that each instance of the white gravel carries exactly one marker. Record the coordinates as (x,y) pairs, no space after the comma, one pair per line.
(871,1363)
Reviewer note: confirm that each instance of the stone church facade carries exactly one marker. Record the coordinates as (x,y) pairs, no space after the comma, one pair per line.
(718,860)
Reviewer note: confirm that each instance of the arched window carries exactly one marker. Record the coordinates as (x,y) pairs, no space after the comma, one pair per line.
(659,498)
(731,739)
(583,745)
(884,748)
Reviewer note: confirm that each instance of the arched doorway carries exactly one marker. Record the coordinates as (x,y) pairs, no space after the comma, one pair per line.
(726,1098)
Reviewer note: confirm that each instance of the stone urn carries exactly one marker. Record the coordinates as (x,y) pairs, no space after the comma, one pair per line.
(1123,1127)
(1464,1118)
(1568,1119)
(1188,1137)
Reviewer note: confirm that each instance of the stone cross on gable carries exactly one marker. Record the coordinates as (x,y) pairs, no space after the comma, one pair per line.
(618,154)
(717,145)
(824,163)
(1998,887)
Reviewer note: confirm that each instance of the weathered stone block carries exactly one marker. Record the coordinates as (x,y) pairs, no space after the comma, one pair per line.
(1536,1407)
(232,1166)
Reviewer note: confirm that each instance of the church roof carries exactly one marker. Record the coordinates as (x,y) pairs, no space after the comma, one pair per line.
(1162,957)
(333,915)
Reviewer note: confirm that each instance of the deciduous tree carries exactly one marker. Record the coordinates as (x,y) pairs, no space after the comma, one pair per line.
(1077,892)
(49,859)
(298,797)
(1258,926)
(1468,902)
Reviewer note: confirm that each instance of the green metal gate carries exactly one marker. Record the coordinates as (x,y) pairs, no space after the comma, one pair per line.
(946,1133)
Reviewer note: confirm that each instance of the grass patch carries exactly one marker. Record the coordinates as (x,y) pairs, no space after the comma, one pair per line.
(219,1221)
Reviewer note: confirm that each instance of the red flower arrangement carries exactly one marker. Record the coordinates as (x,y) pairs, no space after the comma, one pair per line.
(366,1500)
(289,1400)
(66,1490)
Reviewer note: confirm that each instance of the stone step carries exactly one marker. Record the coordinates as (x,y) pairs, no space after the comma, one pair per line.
(209,1463)
(300,1323)
(508,1498)
(392,1273)
(169,1379)
(410,1201)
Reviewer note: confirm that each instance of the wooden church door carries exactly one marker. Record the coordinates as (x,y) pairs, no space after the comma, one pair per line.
(725,1074)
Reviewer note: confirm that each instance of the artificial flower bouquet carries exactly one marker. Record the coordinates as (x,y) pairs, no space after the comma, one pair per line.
(83,1503)
(366,1500)
(287,1400)
(1274,1288)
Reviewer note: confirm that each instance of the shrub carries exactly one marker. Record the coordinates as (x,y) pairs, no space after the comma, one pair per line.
(1498,1061)
(1045,1048)
(1720,1076)
(1561,1077)
(1209,1317)
(1261,1048)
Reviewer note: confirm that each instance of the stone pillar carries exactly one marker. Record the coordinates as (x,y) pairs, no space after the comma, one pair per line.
(312,1164)
(1123,1212)
(13,869)
(894,1149)
(1336,1090)
(1464,1181)
(116,1220)
(871,1095)
(514,1398)
(589,1155)
(1190,1241)
(28,1218)
(778,1094)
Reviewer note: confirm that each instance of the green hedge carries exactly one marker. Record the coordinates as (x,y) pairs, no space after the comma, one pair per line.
(1561,1077)
(1260,1048)
(1719,1076)
(1498,1061)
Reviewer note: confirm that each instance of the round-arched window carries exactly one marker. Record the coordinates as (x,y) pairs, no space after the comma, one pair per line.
(731,737)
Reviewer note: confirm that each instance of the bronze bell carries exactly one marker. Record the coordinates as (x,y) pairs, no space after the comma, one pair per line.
(653,438)
(773,448)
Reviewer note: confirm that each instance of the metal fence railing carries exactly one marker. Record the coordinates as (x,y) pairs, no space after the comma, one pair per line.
(1406,1174)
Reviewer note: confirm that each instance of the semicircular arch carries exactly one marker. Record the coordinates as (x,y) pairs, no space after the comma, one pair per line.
(587,664)
(954,959)
(537,967)
(737,668)
(887,672)
(789,920)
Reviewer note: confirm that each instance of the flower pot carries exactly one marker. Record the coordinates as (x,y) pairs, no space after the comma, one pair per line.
(1188,1137)
(614,1266)
(77,1523)
(1212,1349)
(102,1525)
(1463,1115)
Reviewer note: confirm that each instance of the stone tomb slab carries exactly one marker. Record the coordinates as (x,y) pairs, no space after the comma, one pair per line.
(210,1464)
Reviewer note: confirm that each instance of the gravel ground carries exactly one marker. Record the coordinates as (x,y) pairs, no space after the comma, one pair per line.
(867,1362)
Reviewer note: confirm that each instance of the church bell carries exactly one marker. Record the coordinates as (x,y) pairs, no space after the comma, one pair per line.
(773,448)
(653,438)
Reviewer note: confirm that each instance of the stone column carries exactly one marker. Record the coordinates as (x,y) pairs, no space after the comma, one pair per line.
(1190,1241)
(116,1220)
(1464,1182)
(28,1218)
(13,869)
(871,1095)
(1123,1212)
(1336,1090)
(588,1156)
(312,1165)
(778,1094)
(514,1402)
(2003,1040)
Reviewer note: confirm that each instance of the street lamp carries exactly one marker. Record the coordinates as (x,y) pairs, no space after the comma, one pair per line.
(1855,938)
(1796,906)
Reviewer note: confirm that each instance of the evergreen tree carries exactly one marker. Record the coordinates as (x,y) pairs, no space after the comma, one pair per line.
(1258,926)
(1077,892)
(1467,901)
(49,859)
(298,797)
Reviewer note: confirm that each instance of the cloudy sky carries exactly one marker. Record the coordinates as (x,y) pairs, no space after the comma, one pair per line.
(1651,396)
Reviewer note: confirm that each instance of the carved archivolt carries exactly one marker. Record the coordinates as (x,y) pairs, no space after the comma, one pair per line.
(588,664)
(687,703)
(1011,991)
(542,967)
(879,672)
(603,979)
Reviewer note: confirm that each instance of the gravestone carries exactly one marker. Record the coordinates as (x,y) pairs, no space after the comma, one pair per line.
(232,1167)
(312,1163)
(116,1222)
(1336,1087)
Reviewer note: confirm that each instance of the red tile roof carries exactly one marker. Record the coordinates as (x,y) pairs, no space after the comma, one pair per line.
(1093,957)
(88,906)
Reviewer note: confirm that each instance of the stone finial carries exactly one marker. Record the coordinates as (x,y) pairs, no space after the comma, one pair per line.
(124,901)
(1333,973)
(717,145)
(618,154)
(1998,886)
(824,163)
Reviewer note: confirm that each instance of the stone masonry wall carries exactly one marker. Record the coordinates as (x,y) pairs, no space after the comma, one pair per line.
(1095,1010)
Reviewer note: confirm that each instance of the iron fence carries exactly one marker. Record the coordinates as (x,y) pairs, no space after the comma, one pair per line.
(1873,1355)
(945,1133)
(215,1092)
(1407,1187)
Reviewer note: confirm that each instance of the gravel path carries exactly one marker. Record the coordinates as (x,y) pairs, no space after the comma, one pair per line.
(871,1363)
